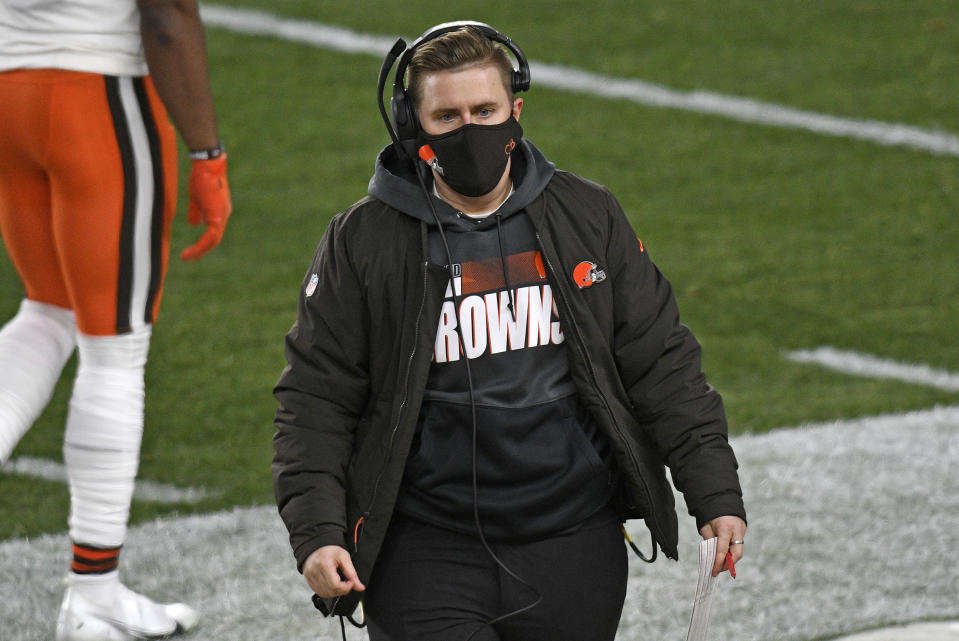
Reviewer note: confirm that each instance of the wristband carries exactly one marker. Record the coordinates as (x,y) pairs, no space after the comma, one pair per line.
(208,154)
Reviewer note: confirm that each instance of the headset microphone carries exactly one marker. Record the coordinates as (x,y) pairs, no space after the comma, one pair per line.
(398,48)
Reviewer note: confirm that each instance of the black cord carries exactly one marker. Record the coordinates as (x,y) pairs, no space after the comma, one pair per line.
(457,298)
(639,553)
(502,258)
(398,48)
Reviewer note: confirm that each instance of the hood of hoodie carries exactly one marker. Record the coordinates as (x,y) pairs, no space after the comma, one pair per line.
(394,182)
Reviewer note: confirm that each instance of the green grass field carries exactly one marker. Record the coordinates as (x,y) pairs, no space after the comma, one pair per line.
(775,239)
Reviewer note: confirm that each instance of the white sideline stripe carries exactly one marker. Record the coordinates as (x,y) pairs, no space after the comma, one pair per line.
(144,490)
(868,366)
(570,79)
(947,415)
(744,109)
(320,35)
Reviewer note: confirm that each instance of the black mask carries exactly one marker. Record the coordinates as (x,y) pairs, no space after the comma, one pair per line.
(472,159)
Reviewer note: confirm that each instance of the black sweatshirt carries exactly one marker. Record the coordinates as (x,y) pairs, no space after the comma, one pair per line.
(541,465)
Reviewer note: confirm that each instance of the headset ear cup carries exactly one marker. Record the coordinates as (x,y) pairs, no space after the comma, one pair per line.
(398,114)
(399,107)
(521,78)
(413,118)
(403,116)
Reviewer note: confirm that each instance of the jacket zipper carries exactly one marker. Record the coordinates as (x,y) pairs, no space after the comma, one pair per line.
(399,419)
(580,344)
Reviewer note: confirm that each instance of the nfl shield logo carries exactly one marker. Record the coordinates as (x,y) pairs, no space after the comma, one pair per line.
(311,287)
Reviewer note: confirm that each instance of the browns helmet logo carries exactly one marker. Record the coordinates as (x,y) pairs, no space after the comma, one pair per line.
(587,273)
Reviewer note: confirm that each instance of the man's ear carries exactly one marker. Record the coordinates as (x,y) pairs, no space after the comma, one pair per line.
(517,108)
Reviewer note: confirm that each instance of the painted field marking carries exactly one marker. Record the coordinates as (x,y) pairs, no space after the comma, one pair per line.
(144,490)
(868,366)
(826,499)
(576,80)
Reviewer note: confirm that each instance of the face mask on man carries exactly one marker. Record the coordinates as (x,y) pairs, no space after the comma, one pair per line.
(471,159)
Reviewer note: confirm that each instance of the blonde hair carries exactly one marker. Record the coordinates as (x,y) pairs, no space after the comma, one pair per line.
(460,49)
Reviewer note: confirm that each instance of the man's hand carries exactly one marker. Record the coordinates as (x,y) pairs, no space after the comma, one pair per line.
(209,203)
(329,572)
(726,529)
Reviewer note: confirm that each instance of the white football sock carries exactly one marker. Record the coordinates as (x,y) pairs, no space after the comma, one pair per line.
(34,346)
(98,588)
(101,446)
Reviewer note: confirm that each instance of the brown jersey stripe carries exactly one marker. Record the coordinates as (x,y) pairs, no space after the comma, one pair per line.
(127,228)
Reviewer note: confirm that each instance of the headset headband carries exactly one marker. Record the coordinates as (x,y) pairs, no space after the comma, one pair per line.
(401,107)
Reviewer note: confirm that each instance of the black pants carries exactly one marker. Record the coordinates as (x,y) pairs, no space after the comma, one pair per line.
(431,584)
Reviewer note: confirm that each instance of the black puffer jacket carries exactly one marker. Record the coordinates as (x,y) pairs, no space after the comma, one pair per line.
(359,356)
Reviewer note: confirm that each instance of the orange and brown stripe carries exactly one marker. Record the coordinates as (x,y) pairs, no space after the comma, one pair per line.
(487,275)
(93,560)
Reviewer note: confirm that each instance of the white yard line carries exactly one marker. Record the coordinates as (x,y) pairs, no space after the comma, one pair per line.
(144,490)
(577,80)
(926,631)
(319,35)
(868,366)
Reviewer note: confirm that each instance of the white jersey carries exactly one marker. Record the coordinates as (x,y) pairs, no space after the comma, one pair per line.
(99,36)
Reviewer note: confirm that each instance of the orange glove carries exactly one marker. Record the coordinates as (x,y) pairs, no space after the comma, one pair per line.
(209,202)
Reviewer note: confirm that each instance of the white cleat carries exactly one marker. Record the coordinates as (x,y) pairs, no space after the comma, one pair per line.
(127,617)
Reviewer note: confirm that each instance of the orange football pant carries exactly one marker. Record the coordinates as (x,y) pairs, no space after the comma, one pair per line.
(88,171)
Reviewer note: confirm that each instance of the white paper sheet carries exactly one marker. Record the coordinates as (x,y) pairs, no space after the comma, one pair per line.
(702,602)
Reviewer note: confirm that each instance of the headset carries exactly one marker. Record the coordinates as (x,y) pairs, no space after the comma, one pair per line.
(402,124)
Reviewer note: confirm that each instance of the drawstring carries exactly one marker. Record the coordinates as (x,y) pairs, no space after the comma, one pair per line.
(502,258)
